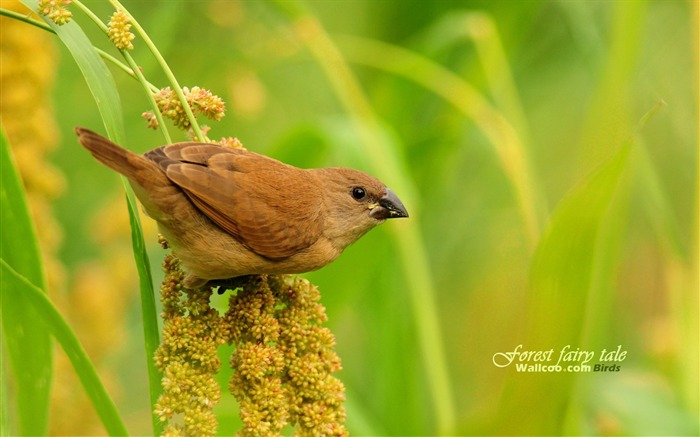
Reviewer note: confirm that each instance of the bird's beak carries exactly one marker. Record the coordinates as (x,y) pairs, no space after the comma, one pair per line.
(389,206)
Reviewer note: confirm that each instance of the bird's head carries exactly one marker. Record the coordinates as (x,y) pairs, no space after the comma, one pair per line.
(355,203)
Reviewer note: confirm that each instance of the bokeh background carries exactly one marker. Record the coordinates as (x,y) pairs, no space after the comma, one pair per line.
(546,209)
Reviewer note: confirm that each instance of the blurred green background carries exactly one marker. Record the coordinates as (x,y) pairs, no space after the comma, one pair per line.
(545,209)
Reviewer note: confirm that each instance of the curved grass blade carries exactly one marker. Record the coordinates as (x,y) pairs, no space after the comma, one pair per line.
(562,272)
(148,305)
(504,137)
(104,90)
(54,323)
(97,76)
(28,344)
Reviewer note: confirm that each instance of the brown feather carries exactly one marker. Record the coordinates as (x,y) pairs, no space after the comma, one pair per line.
(229,212)
(239,192)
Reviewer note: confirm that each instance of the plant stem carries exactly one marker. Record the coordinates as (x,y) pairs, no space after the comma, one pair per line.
(148,305)
(149,94)
(125,68)
(149,314)
(75,352)
(166,69)
(26,19)
(135,71)
(106,56)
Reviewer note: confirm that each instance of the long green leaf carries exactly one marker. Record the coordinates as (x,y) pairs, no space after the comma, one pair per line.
(104,90)
(57,326)
(28,344)
(505,139)
(97,76)
(148,306)
(561,274)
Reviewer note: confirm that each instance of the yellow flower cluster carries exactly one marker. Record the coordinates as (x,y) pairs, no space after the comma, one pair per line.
(187,356)
(55,10)
(257,362)
(284,359)
(119,31)
(231,142)
(283,362)
(200,100)
(316,396)
(26,83)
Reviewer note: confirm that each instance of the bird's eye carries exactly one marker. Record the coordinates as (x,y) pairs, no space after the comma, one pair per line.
(358,193)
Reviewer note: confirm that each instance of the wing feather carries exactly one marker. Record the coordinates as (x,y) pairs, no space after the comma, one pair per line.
(272,208)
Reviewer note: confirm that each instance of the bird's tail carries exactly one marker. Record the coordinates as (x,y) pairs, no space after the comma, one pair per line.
(132,165)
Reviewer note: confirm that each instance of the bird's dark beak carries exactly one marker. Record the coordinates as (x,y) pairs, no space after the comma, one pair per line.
(389,207)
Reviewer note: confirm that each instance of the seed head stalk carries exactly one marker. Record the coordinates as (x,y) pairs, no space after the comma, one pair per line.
(135,71)
(168,72)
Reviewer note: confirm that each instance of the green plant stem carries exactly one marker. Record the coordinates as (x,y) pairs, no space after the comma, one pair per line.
(104,55)
(86,52)
(58,327)
(479,29)
(149,94)
(135,71)
(148,305)
(386,161)
(26,19)
(125,68)
(483,32)
(85,10)
(166,69)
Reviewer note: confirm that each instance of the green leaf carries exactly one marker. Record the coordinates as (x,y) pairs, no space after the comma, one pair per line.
(563,270)
(562,266)
(28,344)
(104,90)
(54,324)
(98,77)
(148,305)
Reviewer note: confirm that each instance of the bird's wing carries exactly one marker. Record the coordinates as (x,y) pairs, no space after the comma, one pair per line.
(272,208)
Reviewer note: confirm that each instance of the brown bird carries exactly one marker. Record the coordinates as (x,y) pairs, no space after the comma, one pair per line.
(228,212)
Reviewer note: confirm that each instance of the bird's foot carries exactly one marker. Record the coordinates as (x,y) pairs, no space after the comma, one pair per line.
(230,283)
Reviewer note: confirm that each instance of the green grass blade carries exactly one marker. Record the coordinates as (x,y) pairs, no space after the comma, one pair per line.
(148,305)
(360,421)
(562,263)
(28,344)
(98,77)
(4,396)
(57,326)
(22,17)
(174,84)
(658,207)
(104,90)
(561,274)
(506,140)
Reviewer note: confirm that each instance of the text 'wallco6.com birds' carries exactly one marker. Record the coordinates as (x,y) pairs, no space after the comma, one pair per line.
(228,212)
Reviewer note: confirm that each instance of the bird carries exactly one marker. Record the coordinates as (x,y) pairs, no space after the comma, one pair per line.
(228,212)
